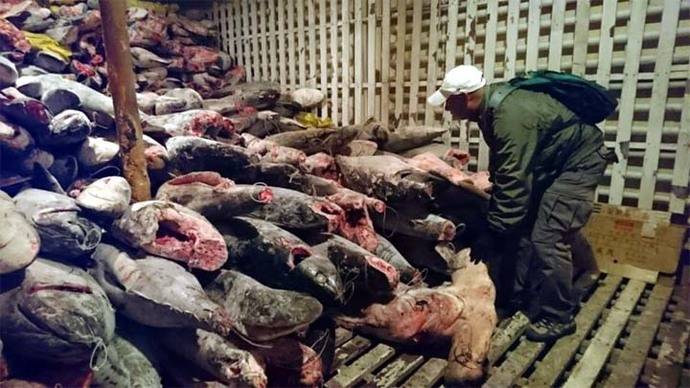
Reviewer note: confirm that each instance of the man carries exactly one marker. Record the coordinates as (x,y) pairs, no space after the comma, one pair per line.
(545,164)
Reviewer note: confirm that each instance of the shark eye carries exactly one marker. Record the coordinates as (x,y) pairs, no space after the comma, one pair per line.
(321,278)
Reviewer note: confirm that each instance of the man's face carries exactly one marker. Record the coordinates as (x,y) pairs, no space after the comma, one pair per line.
(457,106)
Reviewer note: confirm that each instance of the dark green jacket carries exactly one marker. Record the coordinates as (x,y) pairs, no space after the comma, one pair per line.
(532,138)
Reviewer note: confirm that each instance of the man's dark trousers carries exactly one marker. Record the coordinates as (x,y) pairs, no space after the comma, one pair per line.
(544,267)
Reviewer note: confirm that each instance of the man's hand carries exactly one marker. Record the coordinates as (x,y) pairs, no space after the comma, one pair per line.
(483,248)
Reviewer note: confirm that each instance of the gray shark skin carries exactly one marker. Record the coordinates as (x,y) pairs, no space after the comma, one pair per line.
(64,232)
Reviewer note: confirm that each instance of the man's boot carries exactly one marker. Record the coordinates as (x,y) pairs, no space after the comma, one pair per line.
(548,329)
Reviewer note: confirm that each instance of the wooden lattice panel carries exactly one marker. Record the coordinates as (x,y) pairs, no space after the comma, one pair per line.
(380,59)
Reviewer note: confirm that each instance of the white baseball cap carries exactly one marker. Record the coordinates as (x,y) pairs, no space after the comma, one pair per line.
(458,80)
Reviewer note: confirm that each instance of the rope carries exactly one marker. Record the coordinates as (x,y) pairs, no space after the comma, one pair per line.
(348,284)
(420,277)
(324,337)
(95,353)
(293,176)
(395,226)
(247,340)
(259,184)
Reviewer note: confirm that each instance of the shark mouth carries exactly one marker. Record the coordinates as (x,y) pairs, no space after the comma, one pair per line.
(389,276)
(357,225)
(188,239)
(333,213)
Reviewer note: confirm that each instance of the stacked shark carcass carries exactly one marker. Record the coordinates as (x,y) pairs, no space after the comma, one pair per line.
(168,50)
(268,226)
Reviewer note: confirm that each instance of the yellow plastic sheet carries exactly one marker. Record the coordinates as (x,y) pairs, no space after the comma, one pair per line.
(311,120)
(44,42)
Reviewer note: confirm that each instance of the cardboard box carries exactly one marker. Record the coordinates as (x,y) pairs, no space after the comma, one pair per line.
(645,239)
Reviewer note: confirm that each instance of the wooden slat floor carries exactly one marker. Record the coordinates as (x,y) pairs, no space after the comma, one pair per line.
(629,333)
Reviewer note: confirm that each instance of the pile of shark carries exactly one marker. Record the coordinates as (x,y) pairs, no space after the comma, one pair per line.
(267,229)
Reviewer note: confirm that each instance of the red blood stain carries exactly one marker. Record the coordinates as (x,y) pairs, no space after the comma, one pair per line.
(69,287)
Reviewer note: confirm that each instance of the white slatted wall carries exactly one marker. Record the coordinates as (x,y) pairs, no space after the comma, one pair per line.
(374,58)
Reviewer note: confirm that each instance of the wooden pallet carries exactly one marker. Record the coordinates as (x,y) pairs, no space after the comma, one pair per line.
(669,362)
(628,331)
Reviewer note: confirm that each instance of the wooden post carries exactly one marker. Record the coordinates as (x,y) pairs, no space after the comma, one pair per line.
(121,81)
